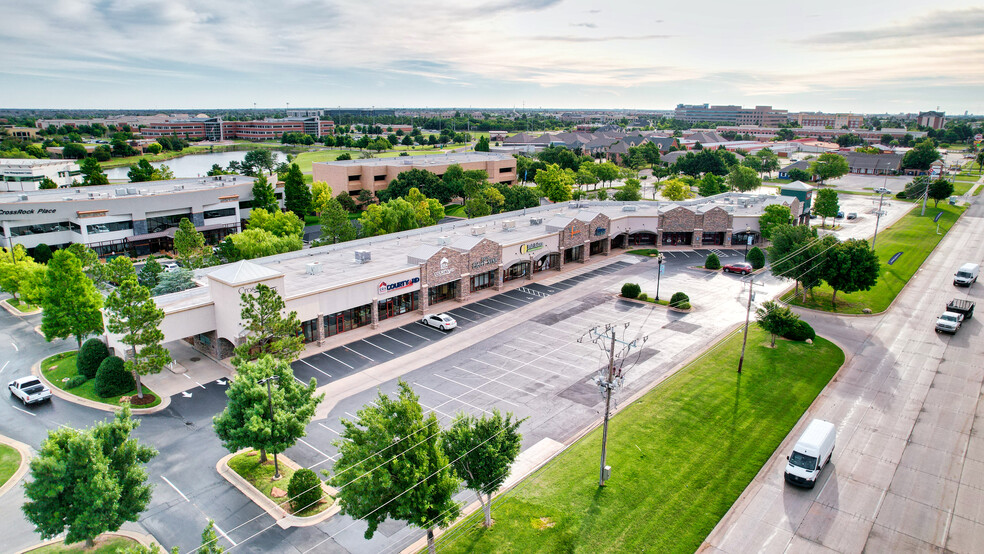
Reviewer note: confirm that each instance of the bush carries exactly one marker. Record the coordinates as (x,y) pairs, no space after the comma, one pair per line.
(800,331)
(631,290)
(901,195)
(304,489)
(75,381)
(643,296)
(113,379)
(92,353)
(712,262)
(680,300)
(756,257)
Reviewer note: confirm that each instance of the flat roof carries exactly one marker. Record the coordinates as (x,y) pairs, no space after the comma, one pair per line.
(145,188)
(428,159)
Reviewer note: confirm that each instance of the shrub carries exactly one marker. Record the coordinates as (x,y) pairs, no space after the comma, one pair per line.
(113,379)
(631,290)
(643,296)
(680,300)
(756,257)
(800,331)
(75,381)
(92,353)
(304,489)
(712,262)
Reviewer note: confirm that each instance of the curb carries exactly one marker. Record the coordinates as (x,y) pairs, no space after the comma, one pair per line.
(25,453)
(144,539)
(618,297)
(16,312)
(67,396)
(284,520)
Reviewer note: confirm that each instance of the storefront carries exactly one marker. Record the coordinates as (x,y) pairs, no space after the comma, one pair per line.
(547,261)
(398,305)
(711,239)
(346,320)
(483,280)
(741,238)
(678,239)
(443,292)
(597,247)
(642,238)
(574,254)
(619,241)
(309,329)
(518,270)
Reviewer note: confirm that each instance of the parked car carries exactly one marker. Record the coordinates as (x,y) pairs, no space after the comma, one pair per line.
(852,215)
(170,266)
(30,390)
(882,190)
(740,267)
(840,215)
(811,453)
(443,322)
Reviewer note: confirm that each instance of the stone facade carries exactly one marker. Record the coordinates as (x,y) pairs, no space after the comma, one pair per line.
(678,220)
(573,234)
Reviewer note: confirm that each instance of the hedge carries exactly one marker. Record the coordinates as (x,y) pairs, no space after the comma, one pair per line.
(304,489)
(113,379)
(92,353)
(631,290)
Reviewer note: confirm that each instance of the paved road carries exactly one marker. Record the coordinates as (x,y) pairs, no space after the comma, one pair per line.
(907,470)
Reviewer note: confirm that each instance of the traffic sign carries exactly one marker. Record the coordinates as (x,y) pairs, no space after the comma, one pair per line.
(662,269)
(894,257)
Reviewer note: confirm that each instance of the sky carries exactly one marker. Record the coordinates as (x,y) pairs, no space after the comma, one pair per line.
(835,56)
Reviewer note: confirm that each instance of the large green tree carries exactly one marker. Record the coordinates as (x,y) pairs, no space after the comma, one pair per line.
(280,224)
(851,266)
(264,196)
(676,190)
(266,330)
(258,243)
(790,254)
(297,195)
(391,465)
(743,178)
(826,204)
(483,144)
(940,189)
(775,319)
(71,303)
(88,482)
(555,183)
(257,160)
(772,216)
(482,451)
(15,268)
(92,173)
(131,313)
(189,244)
(335,224)
(829,166)
(245,421)
(922,155)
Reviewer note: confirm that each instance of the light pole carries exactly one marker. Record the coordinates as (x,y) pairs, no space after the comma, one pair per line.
(659,260)
(881,198)
(748,240)
(748,314)
(276,468)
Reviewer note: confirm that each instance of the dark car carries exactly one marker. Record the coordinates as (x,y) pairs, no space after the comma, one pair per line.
(852,215)
(840,215)
(741,267)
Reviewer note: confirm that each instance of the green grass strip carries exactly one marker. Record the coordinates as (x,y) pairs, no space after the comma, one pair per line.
(59,367)
(10,460)
(681,455)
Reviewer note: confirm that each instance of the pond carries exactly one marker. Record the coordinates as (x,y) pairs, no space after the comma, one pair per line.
(192,165)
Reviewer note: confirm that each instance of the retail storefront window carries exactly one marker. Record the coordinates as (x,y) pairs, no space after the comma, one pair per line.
(440,293)
(517,270)
(483,280)
(346,320)
(397,305)
(309,329)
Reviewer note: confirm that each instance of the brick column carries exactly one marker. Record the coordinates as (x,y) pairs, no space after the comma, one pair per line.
(375,312)
(587,252)
(424,299)
(498,277)
(698,238)
(608,245)
(321,329)
(464,287)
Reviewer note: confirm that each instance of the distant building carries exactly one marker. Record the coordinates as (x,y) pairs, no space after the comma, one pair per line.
(768,133)
(933,120)
(759,115)
(802,165)
(20,175)
(833,120)
(19,132)
(214,128)
(117,121)
(873,164)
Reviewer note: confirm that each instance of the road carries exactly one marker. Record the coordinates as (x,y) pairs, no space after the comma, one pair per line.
(906,473)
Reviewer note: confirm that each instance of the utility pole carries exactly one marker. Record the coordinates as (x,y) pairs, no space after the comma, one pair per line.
(276,468)
(881,198)
(607,382)
(748,316)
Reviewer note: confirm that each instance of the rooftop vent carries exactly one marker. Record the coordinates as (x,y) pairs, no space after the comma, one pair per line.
(120,192)
(444,240)
(363,256)
(478,230)
(536,221)
(628,208)
(313,268)
(22,198)
(509,224)
(131,190)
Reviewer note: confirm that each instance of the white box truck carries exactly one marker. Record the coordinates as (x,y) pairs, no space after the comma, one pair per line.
(811,453)
(966,275)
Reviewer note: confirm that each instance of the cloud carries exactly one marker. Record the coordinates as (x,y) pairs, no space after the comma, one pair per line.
(938,25)
(570,38)
(515,6)
(588,25)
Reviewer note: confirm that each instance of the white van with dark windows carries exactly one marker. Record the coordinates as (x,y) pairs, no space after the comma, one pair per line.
(966,275)
(811,453)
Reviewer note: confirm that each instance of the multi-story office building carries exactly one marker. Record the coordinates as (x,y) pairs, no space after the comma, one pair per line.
(833,120)
(934,120)
(214,128)
(759,115)
(20,175)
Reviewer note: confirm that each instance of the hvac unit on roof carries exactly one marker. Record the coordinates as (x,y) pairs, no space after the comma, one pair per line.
(67,198)
(444,240)
(628,208)
(363,256)
(131,190)
(509,224)
(22,198)
(536,221)
(120,192)
(478,230)
(312,268)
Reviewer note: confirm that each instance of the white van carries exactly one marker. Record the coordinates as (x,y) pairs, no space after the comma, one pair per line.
(811,453)
(966,275)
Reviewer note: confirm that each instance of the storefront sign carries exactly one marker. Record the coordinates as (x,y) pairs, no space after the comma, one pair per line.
(486,260)
(445,270)
(39,211)
(252,289)
(530,247)
(599,231)
(574,230)
(385,287)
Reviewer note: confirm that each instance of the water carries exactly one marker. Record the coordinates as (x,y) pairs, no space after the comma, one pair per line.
(192,165)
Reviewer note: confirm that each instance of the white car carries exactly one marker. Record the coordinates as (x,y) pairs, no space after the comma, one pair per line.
(30,390)
(443,322)
(882,190)
(170,266)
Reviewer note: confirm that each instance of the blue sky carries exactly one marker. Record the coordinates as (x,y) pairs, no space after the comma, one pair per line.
(170,54)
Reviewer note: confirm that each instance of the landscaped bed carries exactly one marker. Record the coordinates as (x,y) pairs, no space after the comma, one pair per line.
(651,252)
(56,369)
(104,545)
(260,475)
(681,455)
(913,235)
(21,306)
(10,460)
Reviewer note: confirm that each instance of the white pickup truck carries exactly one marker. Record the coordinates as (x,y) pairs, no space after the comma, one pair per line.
(30,390)
(952,319)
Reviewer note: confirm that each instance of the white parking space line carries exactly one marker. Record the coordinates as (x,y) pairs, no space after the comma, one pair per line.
(476,389)
(377,346)
(176,489)
(414,334)
(25,411)
(452,398)
(436,411)
(530,362)
(511,372)
(359,353)
(334,431)
(223,533)
(496,379)
(309,445)
(525,363)
(472,311)
(459,316)
(504,303)
(4,366)
(296,379)
(316,368)
(429,327)
(479,303)
(337,360)
(15,347)
(397,340)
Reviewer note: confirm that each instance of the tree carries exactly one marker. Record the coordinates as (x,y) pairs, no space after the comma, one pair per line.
(980,161)
(132,313)
(335,224)
(42,253)
(343,157)
(483,144)
(380,475)
(826,205)
(280,224)
(711,185)
(773,215)
(791,253)
(770,160)
(849,139)
(630,192)
(189,244)
(775,319)
(421,179)
(47,183)
(756,257)
(829,166)
(851,266)
(940,189)
(320,194)
(712,261)
(482,452)
(92,173)
(922,155)
(297,195)
(88,482)
(150,273)
(173,281)
(263,195)
(14,269)
(71,303)
(606,172)
(743,178)
(75,152)
(346,201)
(256,160)
(140,172)
(555,183)
(676,190)
(258,243)
(245,421)
(797,174)
(210,541)
(266,331)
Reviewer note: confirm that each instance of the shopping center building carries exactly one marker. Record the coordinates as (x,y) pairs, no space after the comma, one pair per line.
(135,218)
(341,287)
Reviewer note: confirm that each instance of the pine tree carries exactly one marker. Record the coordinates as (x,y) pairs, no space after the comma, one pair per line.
(70,303)
(335,224)
(265,329)
(131,312)
(297,195)
(189,244)
(263,195)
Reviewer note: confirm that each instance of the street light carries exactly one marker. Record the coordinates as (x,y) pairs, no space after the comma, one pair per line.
(659,260)
(748,240)
(276,468)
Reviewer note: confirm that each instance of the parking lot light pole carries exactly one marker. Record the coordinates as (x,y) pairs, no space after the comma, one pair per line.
(659,260)
(276,468)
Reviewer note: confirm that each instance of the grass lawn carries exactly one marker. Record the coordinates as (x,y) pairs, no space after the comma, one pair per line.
(960,188)
(780,181)
(913,235)
(107,545)
(10,460)
(979,190)
(21,306)
(680,456)
(305,159)
(644,252)
(454,210)
(65,367)
(248,466)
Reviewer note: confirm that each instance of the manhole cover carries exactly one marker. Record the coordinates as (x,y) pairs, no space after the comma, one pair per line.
(196,359)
